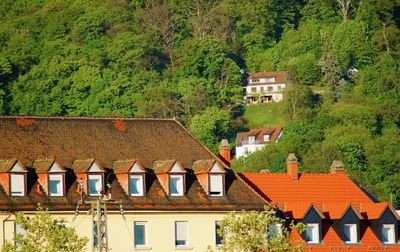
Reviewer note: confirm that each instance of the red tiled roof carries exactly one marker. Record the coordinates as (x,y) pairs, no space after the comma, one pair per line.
(316,188)
(77,142)
(280,77)
(332,195)
(42,166)
(259,135)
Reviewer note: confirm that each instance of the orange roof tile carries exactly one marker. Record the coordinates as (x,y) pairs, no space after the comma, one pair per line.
(316,188)
(375,210)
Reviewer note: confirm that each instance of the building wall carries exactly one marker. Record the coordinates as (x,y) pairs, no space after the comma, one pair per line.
(248,148)
(275,88)
(160,229)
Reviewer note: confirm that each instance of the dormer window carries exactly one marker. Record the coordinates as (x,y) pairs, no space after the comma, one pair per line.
(216,184)
(350,233)
(95,181)
(388,234)
(274,230)
(311,235)
(17,179)
(95,186)
(136,185)
(56,179)
(17,182)
(176,185)
(56,185)
(171,175)
(266,138)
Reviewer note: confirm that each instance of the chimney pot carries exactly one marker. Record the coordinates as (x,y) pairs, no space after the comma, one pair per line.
(225,151)
(337,167)
(292,166)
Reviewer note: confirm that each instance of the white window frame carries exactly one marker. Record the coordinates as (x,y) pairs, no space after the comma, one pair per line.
(94,176)
(313,230)
(57,177)
(353,233)
(179,184)
(139,187)
(13,184)
(267,137)
(146,236)
(216,189)
(391,238)
(185,232)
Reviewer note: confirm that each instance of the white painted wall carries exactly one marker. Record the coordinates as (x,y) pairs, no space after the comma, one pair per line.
(248,148)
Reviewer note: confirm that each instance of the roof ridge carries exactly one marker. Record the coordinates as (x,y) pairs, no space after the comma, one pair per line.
(87,118)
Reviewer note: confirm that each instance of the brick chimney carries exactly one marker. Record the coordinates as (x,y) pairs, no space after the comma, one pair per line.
(337,167)
(292,166)
(225,151)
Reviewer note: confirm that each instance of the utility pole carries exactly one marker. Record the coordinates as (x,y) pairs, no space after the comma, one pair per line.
(99,223)
(98,210)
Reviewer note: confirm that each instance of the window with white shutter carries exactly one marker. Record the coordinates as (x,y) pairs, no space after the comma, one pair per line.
(181,236)
(17,184)
(216,185)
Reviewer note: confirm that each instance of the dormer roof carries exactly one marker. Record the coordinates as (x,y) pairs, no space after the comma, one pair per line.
(48,165)
(207,166)
(167,166)
(128,166)
(12,165)
(337,210)
(87,165)
(376,210)
(299,210)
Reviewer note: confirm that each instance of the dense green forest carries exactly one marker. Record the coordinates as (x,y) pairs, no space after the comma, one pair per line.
(182,58)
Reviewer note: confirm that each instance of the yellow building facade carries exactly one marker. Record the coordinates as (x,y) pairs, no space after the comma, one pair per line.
(169,191)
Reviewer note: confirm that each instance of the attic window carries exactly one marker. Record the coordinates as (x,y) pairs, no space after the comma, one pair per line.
(271,79)
(136,185)
(388,234)
(350,233)
(252,139)
(216,185)
(255,80)
(311,235)
(266,137)
(95,184)
(176,185)
(17,184)
(274,230)
(56,184)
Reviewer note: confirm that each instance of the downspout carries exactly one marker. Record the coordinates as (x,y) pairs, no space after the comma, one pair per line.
(4,226)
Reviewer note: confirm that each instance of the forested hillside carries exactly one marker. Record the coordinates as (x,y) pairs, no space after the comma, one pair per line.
(182,58)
